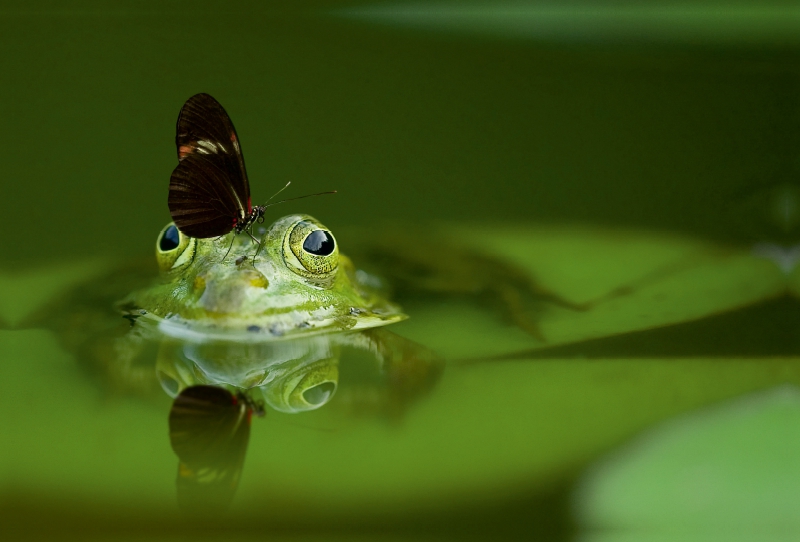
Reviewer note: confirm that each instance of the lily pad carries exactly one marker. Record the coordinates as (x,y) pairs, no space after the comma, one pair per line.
(629,281)
(728,471)
(593,22)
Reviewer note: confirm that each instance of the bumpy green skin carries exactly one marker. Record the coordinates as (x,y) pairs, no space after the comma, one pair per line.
(206,293)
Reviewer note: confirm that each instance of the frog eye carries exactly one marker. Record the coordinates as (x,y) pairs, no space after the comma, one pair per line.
(307,388)
(174,250)
(319,243)
(311,250)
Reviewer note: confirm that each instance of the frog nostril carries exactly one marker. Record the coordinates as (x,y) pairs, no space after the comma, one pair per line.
(319,394)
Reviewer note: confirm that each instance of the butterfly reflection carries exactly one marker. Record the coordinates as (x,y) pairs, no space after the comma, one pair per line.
(209,429)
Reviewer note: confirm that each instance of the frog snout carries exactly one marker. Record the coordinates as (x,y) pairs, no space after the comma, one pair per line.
(227,294)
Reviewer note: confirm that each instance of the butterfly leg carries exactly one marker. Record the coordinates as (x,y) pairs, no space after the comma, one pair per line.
(229,248)
(260,246)
(253,238)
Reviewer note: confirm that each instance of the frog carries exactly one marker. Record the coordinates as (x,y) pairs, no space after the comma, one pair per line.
(294,283)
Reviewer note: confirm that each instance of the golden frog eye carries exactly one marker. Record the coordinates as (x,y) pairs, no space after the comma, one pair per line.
(174,250)
(311,250)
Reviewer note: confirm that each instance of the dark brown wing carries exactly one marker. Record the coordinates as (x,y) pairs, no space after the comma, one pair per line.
(209,430)
(201,200)
(205,421)
(209,190)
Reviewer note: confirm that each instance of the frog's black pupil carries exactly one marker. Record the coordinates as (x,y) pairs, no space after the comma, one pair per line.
(319,243)
(170,240)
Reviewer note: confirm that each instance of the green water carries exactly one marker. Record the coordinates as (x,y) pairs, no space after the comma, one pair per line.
(633,163)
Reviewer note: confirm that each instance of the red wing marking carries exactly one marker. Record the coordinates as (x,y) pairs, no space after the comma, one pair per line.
(185,150)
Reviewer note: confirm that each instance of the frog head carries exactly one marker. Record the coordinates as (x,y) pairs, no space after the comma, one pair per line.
(292,281)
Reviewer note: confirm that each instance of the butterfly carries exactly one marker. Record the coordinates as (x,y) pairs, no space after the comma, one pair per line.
(209,430)
(209,194)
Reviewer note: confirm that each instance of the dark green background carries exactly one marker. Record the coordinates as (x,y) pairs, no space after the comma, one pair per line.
(406,124)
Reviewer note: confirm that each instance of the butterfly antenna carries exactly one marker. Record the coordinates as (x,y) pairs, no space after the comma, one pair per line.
(298,197)
(268,204)
(276,193)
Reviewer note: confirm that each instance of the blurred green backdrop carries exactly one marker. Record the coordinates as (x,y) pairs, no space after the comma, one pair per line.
(409,121)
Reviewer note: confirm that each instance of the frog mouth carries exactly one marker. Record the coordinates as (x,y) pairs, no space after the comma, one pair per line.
(288,326)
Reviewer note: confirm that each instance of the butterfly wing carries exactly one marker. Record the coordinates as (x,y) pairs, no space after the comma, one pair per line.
(209,430)
(201,200)
(208,191)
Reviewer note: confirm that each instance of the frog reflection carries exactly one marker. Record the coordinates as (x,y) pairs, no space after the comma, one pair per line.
(292,376)
(384,373)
